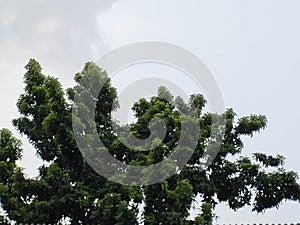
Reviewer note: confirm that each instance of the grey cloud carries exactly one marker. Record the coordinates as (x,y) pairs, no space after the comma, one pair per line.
(60,33)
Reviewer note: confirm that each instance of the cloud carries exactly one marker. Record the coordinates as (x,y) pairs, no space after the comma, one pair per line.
(61,35)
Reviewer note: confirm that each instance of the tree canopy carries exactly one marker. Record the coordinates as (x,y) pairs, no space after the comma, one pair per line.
(68,188)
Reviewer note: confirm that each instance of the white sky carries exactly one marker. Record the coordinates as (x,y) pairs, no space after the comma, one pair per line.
(252,48)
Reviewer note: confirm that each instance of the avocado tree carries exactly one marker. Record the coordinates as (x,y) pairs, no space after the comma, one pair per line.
(68,189)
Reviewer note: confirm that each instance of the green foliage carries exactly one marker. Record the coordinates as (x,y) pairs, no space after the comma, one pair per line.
(4,221)
(206,217)
(67,188)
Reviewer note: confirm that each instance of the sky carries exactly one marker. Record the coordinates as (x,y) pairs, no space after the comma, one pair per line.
(251,47)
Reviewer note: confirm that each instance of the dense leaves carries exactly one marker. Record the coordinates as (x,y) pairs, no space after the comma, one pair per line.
(68,189)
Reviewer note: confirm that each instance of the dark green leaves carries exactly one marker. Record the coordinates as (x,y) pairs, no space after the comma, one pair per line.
(250,124)
(68,188)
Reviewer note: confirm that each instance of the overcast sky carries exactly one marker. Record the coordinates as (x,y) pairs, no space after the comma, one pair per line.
(252,48)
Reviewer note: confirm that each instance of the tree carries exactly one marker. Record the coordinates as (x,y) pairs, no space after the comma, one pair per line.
(67,188)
